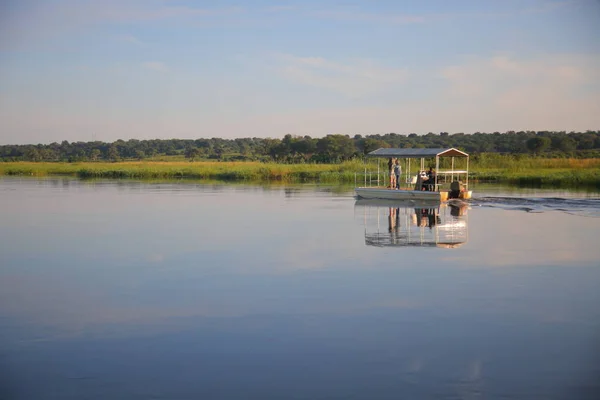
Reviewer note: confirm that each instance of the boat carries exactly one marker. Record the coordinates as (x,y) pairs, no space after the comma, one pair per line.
(447,182)
(413,223)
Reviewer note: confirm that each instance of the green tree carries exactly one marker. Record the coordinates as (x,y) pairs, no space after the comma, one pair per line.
(538,144)
(336,148)
(567,144)
(371,144)
(305,147)
(192,153)
(95,154)
(32,154)
(113,153)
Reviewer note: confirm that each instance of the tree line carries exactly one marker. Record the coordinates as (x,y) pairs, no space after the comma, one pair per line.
(303,149)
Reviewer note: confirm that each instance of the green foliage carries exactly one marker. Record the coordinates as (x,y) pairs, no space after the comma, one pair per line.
(336,148)
(192,153)
(304,149)
(538,144)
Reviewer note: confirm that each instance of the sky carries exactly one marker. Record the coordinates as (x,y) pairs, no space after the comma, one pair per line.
(82,70)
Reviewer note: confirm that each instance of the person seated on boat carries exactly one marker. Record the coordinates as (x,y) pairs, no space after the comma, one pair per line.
(424,181)
(454,189)
(397,172)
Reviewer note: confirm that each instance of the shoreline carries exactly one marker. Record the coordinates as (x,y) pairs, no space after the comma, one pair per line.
(558,176)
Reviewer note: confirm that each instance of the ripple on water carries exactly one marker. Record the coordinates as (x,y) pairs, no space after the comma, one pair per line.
(581,207)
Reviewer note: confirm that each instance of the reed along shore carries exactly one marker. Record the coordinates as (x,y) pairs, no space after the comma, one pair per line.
(563,172)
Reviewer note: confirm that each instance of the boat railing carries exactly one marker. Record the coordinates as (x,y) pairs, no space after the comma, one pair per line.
(382,179)
(370,178)
(375,178)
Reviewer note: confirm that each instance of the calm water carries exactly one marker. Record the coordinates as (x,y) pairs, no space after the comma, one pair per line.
(184,291)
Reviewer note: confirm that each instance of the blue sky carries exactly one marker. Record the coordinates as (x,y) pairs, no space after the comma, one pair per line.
(82,70)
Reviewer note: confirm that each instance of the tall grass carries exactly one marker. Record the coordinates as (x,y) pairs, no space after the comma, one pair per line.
(523,170)
(527,170)
(520,162)
(228,171)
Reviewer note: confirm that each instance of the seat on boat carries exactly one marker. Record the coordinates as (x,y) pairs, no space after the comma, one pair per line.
(418,182)
(454,190)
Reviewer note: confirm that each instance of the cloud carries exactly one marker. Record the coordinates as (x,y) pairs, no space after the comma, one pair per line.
(356,14)
(141,12)
(155,66)
(42,21)
(131,11)
(280,8)
(548,6)
(362,16)
(499,93)
(548,82)
(358,78)
(130,39)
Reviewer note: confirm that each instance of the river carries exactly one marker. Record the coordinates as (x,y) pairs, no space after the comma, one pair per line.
(137,290)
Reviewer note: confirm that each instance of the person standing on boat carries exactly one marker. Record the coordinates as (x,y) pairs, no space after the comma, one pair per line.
(431,179)
(392,175)
(397,172)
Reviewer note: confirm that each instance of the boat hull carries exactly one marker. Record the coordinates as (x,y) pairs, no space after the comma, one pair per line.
(390,194)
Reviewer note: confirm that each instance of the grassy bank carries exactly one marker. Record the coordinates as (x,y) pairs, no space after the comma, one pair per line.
(227,171)
(527,171)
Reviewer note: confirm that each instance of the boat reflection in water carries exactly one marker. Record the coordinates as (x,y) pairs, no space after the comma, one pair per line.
(411,223)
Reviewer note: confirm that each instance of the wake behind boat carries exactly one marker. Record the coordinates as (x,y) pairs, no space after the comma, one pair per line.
(439,185)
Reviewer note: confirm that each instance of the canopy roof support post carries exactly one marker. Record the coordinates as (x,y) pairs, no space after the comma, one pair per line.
(437,169)
(467,179)
(406,170)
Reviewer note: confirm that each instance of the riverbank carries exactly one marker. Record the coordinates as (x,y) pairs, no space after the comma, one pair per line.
(225,171)
(551,172)
(532,171)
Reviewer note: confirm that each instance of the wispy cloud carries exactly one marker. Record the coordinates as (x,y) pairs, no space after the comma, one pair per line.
(548,6)
(282,7)
(130,39)
(155,66)
(143,12)
(357,14)
(355,79)
(362,16)
(502,72)
(538,93)
(43,20)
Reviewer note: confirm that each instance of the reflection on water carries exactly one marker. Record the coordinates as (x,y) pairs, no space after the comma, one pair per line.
(414,224)
(137,290)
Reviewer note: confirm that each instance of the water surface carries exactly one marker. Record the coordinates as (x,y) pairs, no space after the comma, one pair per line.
(130,290)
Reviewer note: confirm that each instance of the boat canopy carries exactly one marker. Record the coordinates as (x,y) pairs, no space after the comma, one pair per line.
(417,153)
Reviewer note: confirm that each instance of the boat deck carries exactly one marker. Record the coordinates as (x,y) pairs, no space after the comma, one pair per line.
(403,194)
